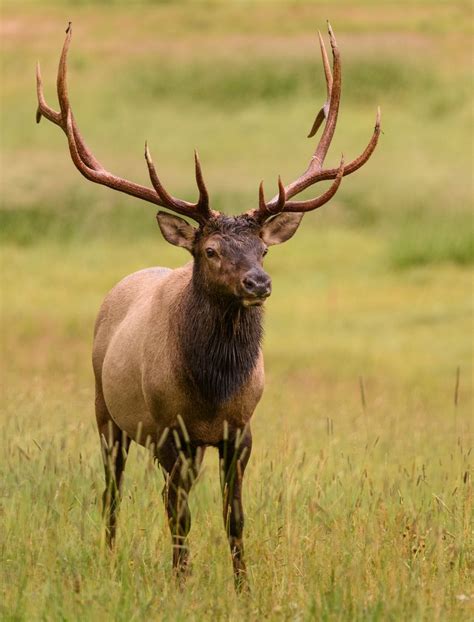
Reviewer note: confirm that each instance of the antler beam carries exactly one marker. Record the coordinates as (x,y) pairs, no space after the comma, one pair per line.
(315,172)
(90,167)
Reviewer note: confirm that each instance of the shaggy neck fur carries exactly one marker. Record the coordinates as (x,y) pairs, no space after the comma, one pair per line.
(220,342)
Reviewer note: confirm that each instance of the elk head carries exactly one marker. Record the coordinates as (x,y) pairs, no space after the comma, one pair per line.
(228,250)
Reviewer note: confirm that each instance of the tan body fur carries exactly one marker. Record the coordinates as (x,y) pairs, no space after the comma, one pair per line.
(138,367)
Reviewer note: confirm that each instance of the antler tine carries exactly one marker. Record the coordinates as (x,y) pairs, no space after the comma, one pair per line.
(59,118)
(326,65)
(263,212)
(330,127)
(203,202)
(262,206)
(90,167)
(281,195)
(61,79)
(167,200)
(323,112)
(43,109)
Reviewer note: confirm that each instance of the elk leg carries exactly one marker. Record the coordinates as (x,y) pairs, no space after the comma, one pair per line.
(234,455)
(115,445)
(180,465)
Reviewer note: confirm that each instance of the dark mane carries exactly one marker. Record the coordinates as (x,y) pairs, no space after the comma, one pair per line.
(219,344)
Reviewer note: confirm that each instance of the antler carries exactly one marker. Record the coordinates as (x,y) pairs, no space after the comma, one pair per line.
(91,168)
(315,171)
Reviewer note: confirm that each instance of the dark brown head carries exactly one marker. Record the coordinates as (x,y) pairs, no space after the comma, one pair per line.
(228,252)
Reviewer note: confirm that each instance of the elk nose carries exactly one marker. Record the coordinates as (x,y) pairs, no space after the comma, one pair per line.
(257,283)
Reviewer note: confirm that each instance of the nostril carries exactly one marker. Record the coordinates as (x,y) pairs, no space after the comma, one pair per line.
(249,284)
(266,288)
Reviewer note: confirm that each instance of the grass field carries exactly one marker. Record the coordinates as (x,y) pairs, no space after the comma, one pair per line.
(359,495)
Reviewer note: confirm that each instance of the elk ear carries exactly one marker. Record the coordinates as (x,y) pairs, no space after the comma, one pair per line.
(176,231)
(280,228)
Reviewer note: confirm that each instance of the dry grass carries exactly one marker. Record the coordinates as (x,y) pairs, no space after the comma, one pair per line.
(358,507)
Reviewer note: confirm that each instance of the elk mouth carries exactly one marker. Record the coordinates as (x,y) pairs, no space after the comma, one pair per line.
(254,301)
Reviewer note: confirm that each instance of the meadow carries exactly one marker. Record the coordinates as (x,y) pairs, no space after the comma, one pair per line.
(358,495)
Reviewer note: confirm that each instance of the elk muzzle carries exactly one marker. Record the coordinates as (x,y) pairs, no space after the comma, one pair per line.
(256,286)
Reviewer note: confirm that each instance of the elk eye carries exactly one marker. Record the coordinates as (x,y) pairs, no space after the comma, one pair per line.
(210,252)
(264,252)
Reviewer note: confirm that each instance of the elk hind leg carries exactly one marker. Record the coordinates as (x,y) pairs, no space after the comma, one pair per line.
(114,445)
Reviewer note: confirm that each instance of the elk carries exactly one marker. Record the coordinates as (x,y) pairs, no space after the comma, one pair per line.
(177,353)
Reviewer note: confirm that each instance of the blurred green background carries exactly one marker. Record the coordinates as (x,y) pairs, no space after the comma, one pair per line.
(368,331)
(242,82)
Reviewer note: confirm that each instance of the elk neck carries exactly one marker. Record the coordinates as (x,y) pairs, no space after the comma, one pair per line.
(219,341)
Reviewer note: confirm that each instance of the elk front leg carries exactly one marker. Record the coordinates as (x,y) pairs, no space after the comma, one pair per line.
(180,464)
(234,455)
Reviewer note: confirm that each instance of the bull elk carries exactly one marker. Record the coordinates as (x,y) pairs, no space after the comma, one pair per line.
(177,353)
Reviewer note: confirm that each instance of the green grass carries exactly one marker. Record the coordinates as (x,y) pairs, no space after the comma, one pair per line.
(424,241)
(359,491)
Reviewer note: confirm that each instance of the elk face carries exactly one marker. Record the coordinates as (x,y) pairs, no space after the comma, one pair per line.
(228,252)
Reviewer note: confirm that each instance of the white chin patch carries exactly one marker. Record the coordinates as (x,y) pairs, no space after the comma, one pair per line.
(252,302)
